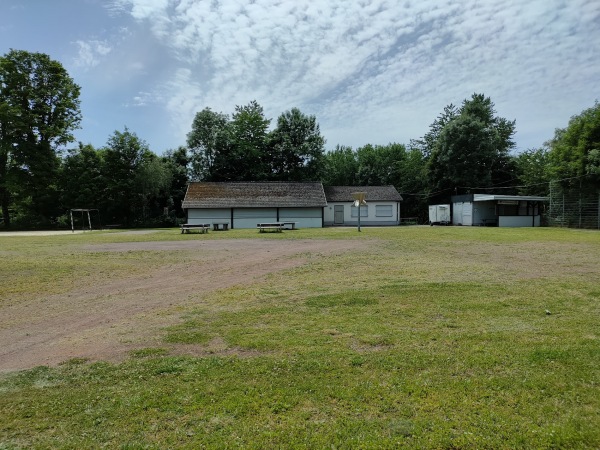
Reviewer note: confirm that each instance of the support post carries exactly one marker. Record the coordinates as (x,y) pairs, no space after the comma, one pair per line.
(359,200)
(72,226)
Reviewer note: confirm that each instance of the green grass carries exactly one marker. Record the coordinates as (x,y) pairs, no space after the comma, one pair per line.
(427,338)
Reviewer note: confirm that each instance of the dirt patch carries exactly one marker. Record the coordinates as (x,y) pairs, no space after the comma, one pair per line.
(41,233)
(531,260)
(107,321)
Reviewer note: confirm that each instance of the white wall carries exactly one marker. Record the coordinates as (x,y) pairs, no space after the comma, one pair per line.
(462,213)
(518,221)
(304,217)
(371,219)
(197,216)
(249,217)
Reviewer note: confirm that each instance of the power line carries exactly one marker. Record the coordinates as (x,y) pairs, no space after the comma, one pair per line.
(426,195)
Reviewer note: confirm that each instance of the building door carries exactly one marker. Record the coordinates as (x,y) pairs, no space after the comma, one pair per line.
(338,214)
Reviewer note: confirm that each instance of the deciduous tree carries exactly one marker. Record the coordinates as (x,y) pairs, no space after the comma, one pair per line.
(340,167)
(204,141)
(575,151)
(533,171)
(470,150)
(133,176)
(247,145)
(296,147)
(82,178)
(39,109)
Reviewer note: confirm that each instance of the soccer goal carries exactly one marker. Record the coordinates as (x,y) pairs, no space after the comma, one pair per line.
(85,214)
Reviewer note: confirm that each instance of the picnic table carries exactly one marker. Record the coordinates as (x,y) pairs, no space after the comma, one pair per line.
(269,226)
(201,227)
(220,226)
(289,225)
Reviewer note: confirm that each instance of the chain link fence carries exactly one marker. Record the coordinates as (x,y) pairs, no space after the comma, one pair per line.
(573,208)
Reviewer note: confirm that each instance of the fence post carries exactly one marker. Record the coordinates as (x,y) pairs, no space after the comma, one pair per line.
(562,220)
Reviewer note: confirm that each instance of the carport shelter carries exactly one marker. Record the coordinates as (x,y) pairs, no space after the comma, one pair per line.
(244,204)
(497,210)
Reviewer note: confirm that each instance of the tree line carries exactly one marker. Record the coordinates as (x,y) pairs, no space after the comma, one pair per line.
(467,149)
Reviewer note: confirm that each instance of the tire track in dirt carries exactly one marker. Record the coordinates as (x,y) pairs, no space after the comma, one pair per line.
(105,322)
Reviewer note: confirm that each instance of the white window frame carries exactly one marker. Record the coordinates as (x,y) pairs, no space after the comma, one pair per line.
(364,211)
(384,211)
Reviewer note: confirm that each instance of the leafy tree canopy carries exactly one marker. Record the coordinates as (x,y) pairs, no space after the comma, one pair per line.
(533,171)
(243,149)
(340,167)
(296,147)
(469,148)
(39,110)
(574,151)
(204,141)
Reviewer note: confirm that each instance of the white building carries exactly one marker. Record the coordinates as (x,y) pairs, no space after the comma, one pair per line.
(244,204)
(382,208)
(308,205)
(497,210)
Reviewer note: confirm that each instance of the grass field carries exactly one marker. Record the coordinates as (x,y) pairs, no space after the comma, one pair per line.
(411,337)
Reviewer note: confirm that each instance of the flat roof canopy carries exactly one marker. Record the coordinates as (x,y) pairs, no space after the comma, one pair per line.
(487,198)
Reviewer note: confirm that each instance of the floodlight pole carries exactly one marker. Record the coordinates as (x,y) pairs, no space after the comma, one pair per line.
(359,200)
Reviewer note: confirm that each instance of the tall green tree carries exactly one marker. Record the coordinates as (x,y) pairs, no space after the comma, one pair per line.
(428,142)
(413,185)
(230,150)
(295,148)
(39,110)
(204,141)
(533,171)
(380,165)
(82,178)
(177,162)
(133,175)
(574,151)
(471,150)
(340,167)
(248,158)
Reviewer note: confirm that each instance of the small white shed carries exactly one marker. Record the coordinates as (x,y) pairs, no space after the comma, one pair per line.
(439,215)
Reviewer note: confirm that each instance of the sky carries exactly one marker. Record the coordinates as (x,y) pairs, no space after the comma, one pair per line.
(370,71)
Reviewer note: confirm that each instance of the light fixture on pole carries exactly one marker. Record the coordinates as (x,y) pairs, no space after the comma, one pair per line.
(359,200)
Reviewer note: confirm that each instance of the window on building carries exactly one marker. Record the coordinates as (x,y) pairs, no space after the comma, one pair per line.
(364,211)
(383,211)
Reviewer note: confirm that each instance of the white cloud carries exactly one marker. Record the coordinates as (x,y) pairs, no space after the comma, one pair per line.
(371,64)
(91,53)
(144,98)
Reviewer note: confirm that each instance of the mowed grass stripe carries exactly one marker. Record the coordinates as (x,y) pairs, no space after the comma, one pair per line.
(408,344)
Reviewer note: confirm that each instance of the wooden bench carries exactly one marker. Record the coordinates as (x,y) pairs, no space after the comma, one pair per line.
(270,226)
(220,226)
(201,227)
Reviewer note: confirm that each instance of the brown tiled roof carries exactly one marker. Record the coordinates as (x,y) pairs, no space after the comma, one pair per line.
(254,195)
(373,193)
